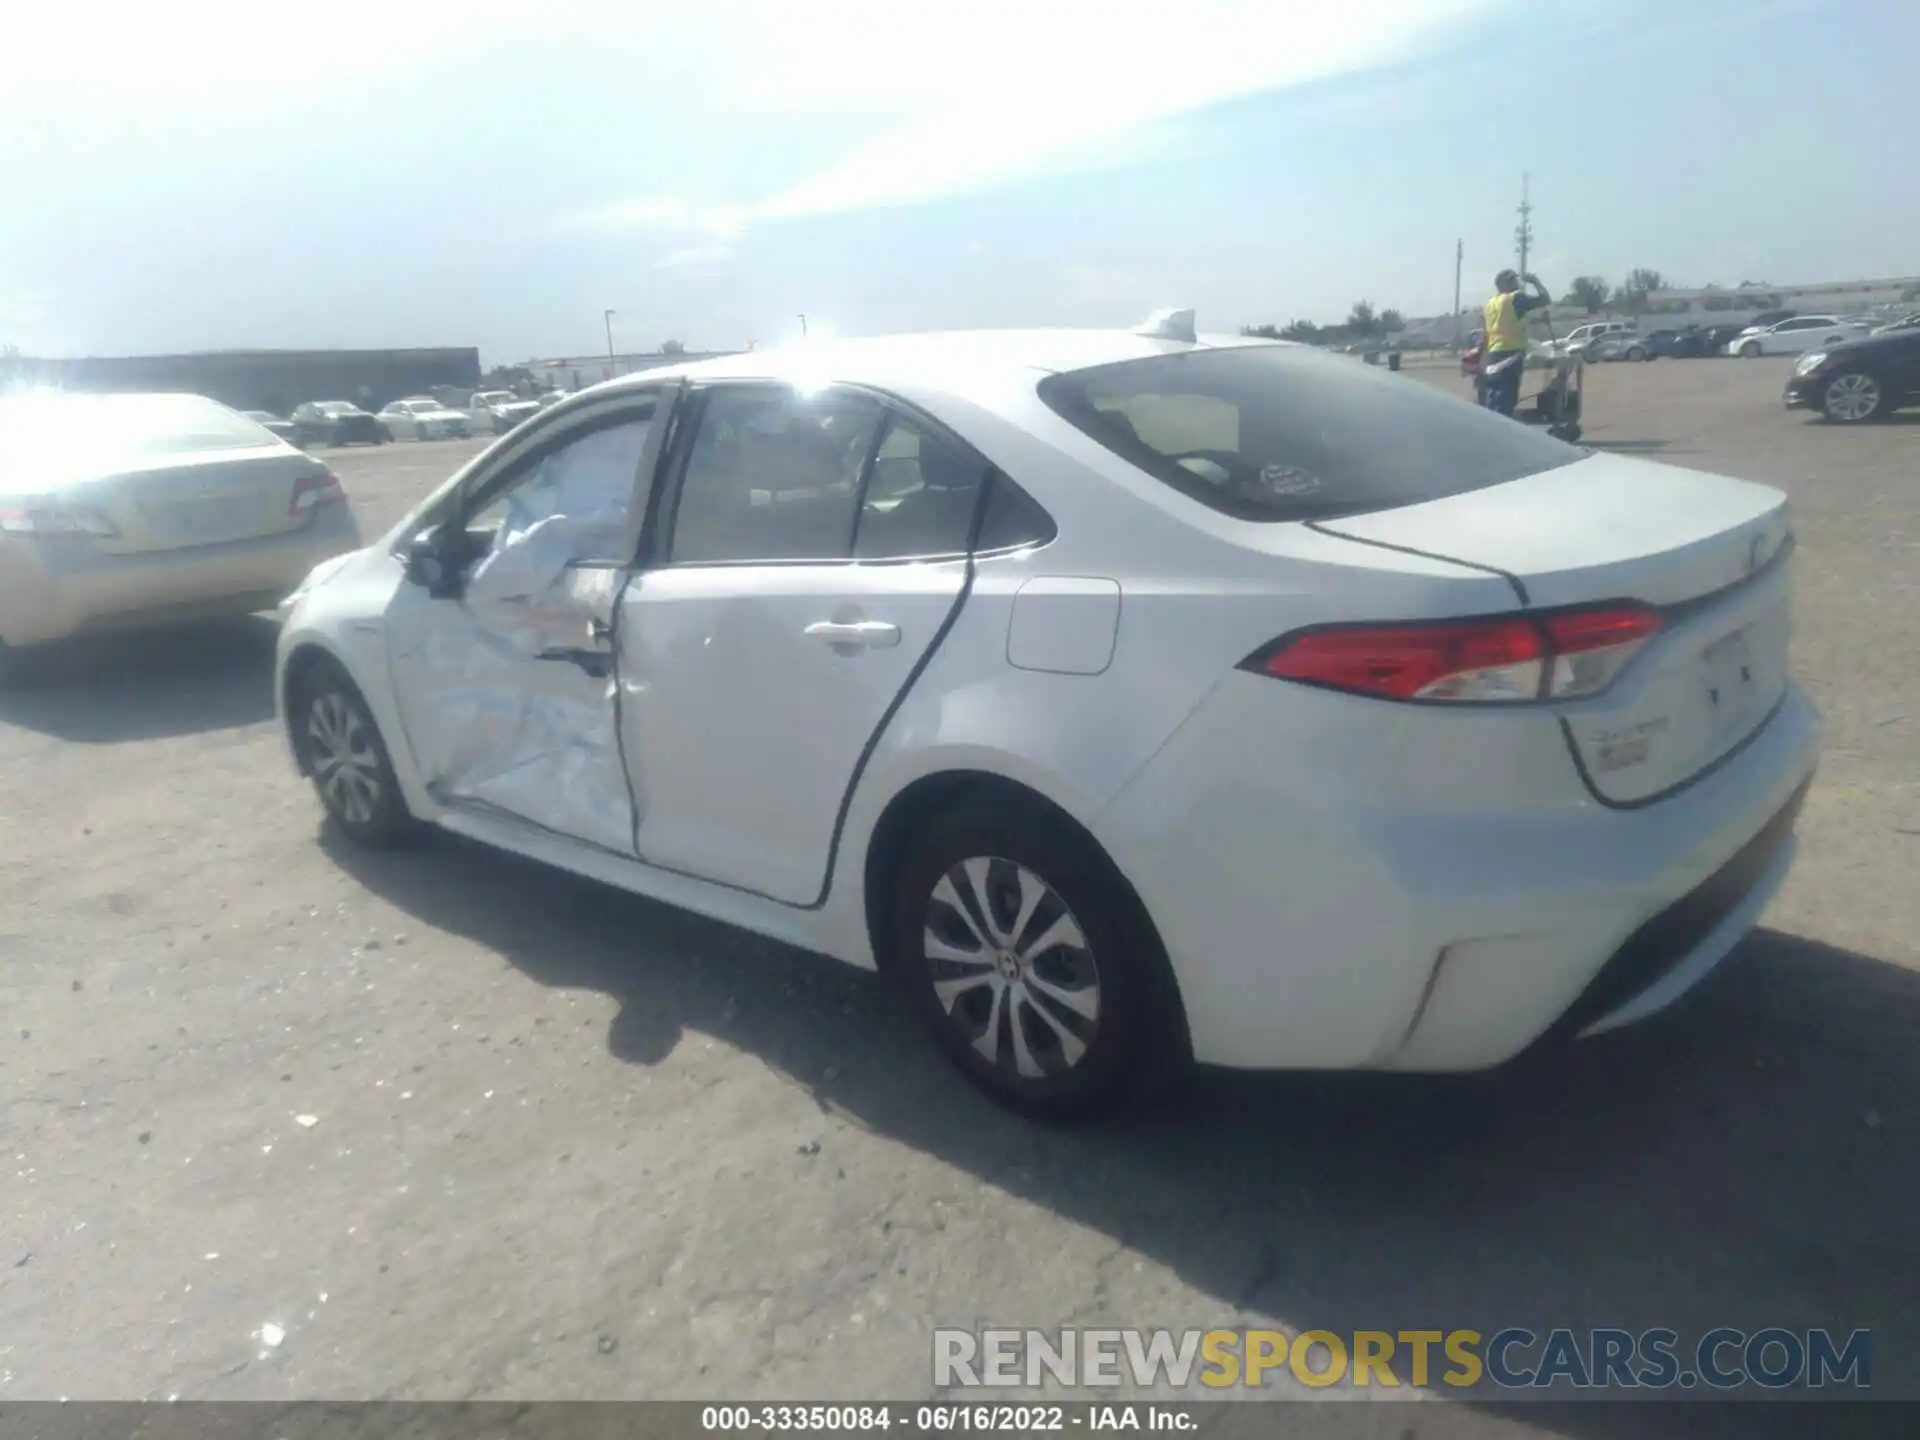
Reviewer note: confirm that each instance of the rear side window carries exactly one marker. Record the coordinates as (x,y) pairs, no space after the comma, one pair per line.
(920,497)
(1286,432)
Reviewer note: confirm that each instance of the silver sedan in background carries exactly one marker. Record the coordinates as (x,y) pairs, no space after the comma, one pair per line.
(124,511)
(421,417)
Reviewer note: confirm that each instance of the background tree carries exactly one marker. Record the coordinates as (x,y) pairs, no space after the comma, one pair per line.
(1589,292)
(1262,332)
(1912,292)
(1303,330)
(672,347)
(1361,320)
(1638,285)
(1391,321)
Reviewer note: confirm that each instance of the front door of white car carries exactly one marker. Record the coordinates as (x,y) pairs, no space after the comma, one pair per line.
(504,677)
(1792,337)
(808,553)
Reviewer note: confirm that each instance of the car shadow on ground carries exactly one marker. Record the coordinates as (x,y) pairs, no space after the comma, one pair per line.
(109,689)
(1745,1160)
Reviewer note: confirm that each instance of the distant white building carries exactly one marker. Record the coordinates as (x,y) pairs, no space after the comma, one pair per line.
(576,372)
(1674,308)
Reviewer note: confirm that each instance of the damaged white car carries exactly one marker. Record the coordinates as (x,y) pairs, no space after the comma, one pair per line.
(1126,696)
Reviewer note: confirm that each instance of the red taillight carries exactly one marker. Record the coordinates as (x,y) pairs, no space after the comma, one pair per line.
(1559,655)
(310,492)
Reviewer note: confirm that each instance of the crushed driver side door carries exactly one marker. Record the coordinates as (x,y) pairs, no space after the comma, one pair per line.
(505,678)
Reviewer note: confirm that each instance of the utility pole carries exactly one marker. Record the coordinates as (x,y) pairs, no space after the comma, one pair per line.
(1459,255)
(1523,233)
(803,327)
(608,316)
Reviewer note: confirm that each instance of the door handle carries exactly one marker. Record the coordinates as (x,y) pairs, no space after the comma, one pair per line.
(847,636)
(596,663)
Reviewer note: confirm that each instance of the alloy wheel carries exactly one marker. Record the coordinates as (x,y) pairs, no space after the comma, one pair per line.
(1852,398)
(346,766)
(1011,968)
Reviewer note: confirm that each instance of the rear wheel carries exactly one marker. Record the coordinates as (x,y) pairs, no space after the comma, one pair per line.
(1015,944)
(1852,399)
(342,751)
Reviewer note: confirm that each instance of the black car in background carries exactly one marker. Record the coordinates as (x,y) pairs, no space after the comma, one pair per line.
(1689,343)
(1860,380)
(267,420)
(336,422)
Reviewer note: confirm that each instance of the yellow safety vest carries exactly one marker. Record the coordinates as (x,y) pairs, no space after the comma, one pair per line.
(1506,327)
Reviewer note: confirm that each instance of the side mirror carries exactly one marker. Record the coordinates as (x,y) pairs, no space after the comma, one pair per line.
(428,568)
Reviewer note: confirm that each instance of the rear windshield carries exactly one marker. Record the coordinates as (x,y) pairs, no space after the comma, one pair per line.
(1287,432)
(81,431)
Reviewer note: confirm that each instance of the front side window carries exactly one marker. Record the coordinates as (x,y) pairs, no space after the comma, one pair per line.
(585,487)
(773,475)
(1287,432)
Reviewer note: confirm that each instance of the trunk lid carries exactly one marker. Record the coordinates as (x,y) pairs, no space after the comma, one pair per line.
(197,500)
(1709,552)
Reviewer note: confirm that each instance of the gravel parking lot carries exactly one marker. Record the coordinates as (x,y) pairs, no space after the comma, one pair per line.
(455,1126)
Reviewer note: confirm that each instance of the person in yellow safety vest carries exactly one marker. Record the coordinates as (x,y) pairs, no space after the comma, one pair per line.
(1504,357)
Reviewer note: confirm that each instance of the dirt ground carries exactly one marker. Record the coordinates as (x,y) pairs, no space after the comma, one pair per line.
(459,1127)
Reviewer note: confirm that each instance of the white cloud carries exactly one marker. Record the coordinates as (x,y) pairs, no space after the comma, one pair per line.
(962,101)
(697,259)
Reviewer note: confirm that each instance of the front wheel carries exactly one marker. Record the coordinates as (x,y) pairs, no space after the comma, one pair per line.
(342,751)
(1017,946)
(1852,399)
(1750,350)
(1636,353)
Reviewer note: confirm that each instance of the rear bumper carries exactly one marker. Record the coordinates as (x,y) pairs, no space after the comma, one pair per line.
(54,591)
(1317,924)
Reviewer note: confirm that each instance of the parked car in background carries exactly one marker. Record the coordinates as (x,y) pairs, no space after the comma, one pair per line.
(1793,337)
(1622,345)
(421,417)
(1583,340)
(272,423)
(551,398)
(1768,318)
(495,412)
(1686,343)
(1715,338)
(1859,380)
(1909,322)
(1159,739)
(336,422)
(123,511)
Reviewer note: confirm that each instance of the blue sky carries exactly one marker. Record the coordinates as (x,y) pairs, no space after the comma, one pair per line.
(499,173)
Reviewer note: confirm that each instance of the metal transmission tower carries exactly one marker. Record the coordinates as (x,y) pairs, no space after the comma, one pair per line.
(1523,232)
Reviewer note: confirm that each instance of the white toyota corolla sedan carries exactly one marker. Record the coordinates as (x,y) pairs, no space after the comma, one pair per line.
(1125,696)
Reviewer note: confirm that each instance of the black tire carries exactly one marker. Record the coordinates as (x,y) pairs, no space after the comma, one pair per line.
(1853,397)
(1636,352)
(1750,350)
(1116,972)
(363,801)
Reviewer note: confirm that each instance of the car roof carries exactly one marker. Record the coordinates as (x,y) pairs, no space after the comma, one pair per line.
(956,360)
